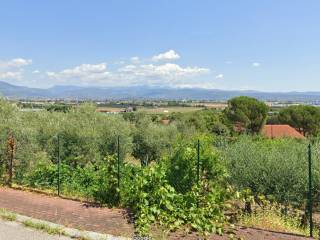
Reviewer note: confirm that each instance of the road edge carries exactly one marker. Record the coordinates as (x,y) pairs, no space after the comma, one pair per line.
(66,231)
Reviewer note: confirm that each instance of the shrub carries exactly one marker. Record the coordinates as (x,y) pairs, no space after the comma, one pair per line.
(182,165)
(167,194)
(274,168)
(155,202)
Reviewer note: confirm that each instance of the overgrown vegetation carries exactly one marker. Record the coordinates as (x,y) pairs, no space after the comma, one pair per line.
(156,174)
(272,217)
(274,168)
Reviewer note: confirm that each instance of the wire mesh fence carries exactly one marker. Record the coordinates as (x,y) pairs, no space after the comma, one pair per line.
(85,175)
(83,169)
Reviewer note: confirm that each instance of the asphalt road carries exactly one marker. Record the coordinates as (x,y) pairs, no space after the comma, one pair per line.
(16,231)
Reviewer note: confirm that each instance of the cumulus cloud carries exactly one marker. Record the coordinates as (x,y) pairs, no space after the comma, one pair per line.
(256,64)
(158,71)
(220,76)
(166,56)
(83,72)
(13,69)
(169,70)
(132,74)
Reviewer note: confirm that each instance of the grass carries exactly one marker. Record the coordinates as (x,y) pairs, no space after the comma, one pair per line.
(6,215)
(83,238)
(43,227)
(9,216)
(275,221)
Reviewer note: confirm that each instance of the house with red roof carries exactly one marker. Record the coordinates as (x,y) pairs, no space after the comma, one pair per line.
(280,131)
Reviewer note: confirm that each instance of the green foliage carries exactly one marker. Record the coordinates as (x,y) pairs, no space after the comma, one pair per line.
(105,182)
(163,193)
(182,165)
(58,108)
(155,202)
(220,129)
(43,176)
(274,168)
(204,121)
(151,141)
(302,117)
(248,112)
(94,182)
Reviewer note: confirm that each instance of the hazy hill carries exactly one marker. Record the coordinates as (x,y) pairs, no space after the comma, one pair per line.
(144,92)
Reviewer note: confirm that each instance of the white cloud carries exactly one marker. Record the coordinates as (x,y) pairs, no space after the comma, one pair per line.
(83,72)
(168,74)
(168,70)
(11,75)
(132,74)
(20,62)
(220,76)
(13,69)
(135,60)
(119,63)
(15,63)
(167,56)
(256,64)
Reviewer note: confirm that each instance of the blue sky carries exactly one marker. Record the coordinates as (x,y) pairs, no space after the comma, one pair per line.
(267,45)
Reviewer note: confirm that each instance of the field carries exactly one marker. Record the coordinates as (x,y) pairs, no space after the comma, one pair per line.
(151,110)
(166,110)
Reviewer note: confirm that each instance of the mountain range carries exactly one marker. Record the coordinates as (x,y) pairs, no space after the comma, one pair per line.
(146,92)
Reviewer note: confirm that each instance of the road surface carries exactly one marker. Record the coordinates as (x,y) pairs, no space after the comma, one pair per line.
(16,231)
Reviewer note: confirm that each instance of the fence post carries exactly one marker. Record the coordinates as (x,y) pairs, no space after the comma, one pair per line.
(310,203)
(198,163)
(118,158)
(11,148)
(59,163)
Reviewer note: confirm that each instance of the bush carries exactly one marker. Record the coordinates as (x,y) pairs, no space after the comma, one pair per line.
(155,202)
(167,194)
(182,165)
(94,182)
(152,141)
(274,168)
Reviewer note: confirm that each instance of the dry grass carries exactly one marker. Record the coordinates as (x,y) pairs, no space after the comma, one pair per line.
(6,215)
(43,227)
(273,220)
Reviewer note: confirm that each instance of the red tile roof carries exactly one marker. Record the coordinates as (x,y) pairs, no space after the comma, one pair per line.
(280,131)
